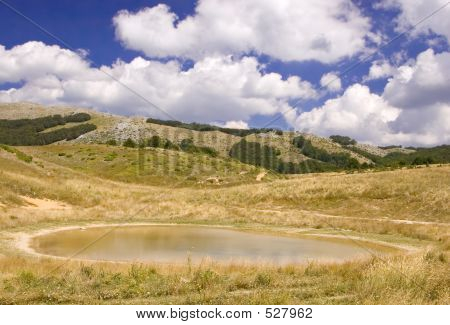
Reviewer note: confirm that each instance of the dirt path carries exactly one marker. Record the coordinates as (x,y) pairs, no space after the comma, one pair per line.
(260,176)
(318,214)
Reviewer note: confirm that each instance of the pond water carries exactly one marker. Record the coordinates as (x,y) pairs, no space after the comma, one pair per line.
(173,244)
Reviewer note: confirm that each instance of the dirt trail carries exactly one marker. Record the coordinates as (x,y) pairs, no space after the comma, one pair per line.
(318,214)
(260,176)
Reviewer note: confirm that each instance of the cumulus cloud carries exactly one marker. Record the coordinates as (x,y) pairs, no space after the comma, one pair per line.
(234,125)
(215,88)
(413,11)
(35,59)
(428,125)
(331,81)
(422,91)
(421,83)
(289,30)
(379,70)
(357,113)
(414,108)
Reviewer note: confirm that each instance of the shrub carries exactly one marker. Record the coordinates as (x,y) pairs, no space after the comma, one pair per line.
(7,148)
(77,117)
(391,147)
(24,157)
(111,156)
(187,145)
(111,142)
(170,145)
(343,140)
(155,142)
(422,161)
(129,143)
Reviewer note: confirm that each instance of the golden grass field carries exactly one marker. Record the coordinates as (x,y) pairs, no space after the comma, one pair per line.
(76,184)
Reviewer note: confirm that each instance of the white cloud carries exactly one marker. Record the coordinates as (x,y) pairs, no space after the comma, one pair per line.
(414,108)
(290,30)
(414,11)
(234,125)
(427,125)
(357,113)
(421,83)
(379,70)
(331,81)
(35,59)
(215,88)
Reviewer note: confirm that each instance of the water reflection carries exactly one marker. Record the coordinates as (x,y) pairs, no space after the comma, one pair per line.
(177,243)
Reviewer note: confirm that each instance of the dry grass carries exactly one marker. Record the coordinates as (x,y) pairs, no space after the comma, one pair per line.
(419,279)
(366,205)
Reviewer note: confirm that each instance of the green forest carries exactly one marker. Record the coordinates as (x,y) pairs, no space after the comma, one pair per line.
(29,132)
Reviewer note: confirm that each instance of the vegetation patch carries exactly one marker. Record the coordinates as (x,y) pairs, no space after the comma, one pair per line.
(261,155)
(343,140)
(28,132)
(207,127)
(158,142)
(19,154)
(129,143)
(111,142)
(111,156)
(187,145)
(339,160)
(422,156)
(256,154)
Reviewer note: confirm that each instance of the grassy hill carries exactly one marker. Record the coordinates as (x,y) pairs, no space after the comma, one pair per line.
(156,173)
(316,154)
(151,166)
(72,184)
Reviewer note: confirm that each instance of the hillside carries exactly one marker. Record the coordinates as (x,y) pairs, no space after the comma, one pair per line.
(279,151)
(178,176)
(77,185)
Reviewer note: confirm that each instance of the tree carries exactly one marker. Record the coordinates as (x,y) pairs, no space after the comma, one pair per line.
(343,140)
(155,141)
(129,143)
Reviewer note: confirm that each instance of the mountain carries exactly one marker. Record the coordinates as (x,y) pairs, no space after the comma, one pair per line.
(285,152)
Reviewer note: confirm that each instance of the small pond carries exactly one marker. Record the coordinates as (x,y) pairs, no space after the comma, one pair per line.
(174,244)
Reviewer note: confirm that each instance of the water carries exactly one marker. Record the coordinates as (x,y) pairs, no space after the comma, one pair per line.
(173,244)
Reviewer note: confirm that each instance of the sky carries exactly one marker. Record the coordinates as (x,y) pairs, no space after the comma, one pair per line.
(376,71)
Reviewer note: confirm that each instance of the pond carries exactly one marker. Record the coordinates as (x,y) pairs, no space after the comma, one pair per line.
(175,244)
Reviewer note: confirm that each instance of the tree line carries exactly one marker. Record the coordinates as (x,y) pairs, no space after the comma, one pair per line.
(207,127)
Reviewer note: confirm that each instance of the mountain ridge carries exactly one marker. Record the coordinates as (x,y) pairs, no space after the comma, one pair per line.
(323,154)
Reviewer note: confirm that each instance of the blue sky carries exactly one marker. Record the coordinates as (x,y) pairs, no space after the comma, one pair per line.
(82,24)
(92,26)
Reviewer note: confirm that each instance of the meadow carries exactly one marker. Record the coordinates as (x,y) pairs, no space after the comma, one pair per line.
(79,185)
